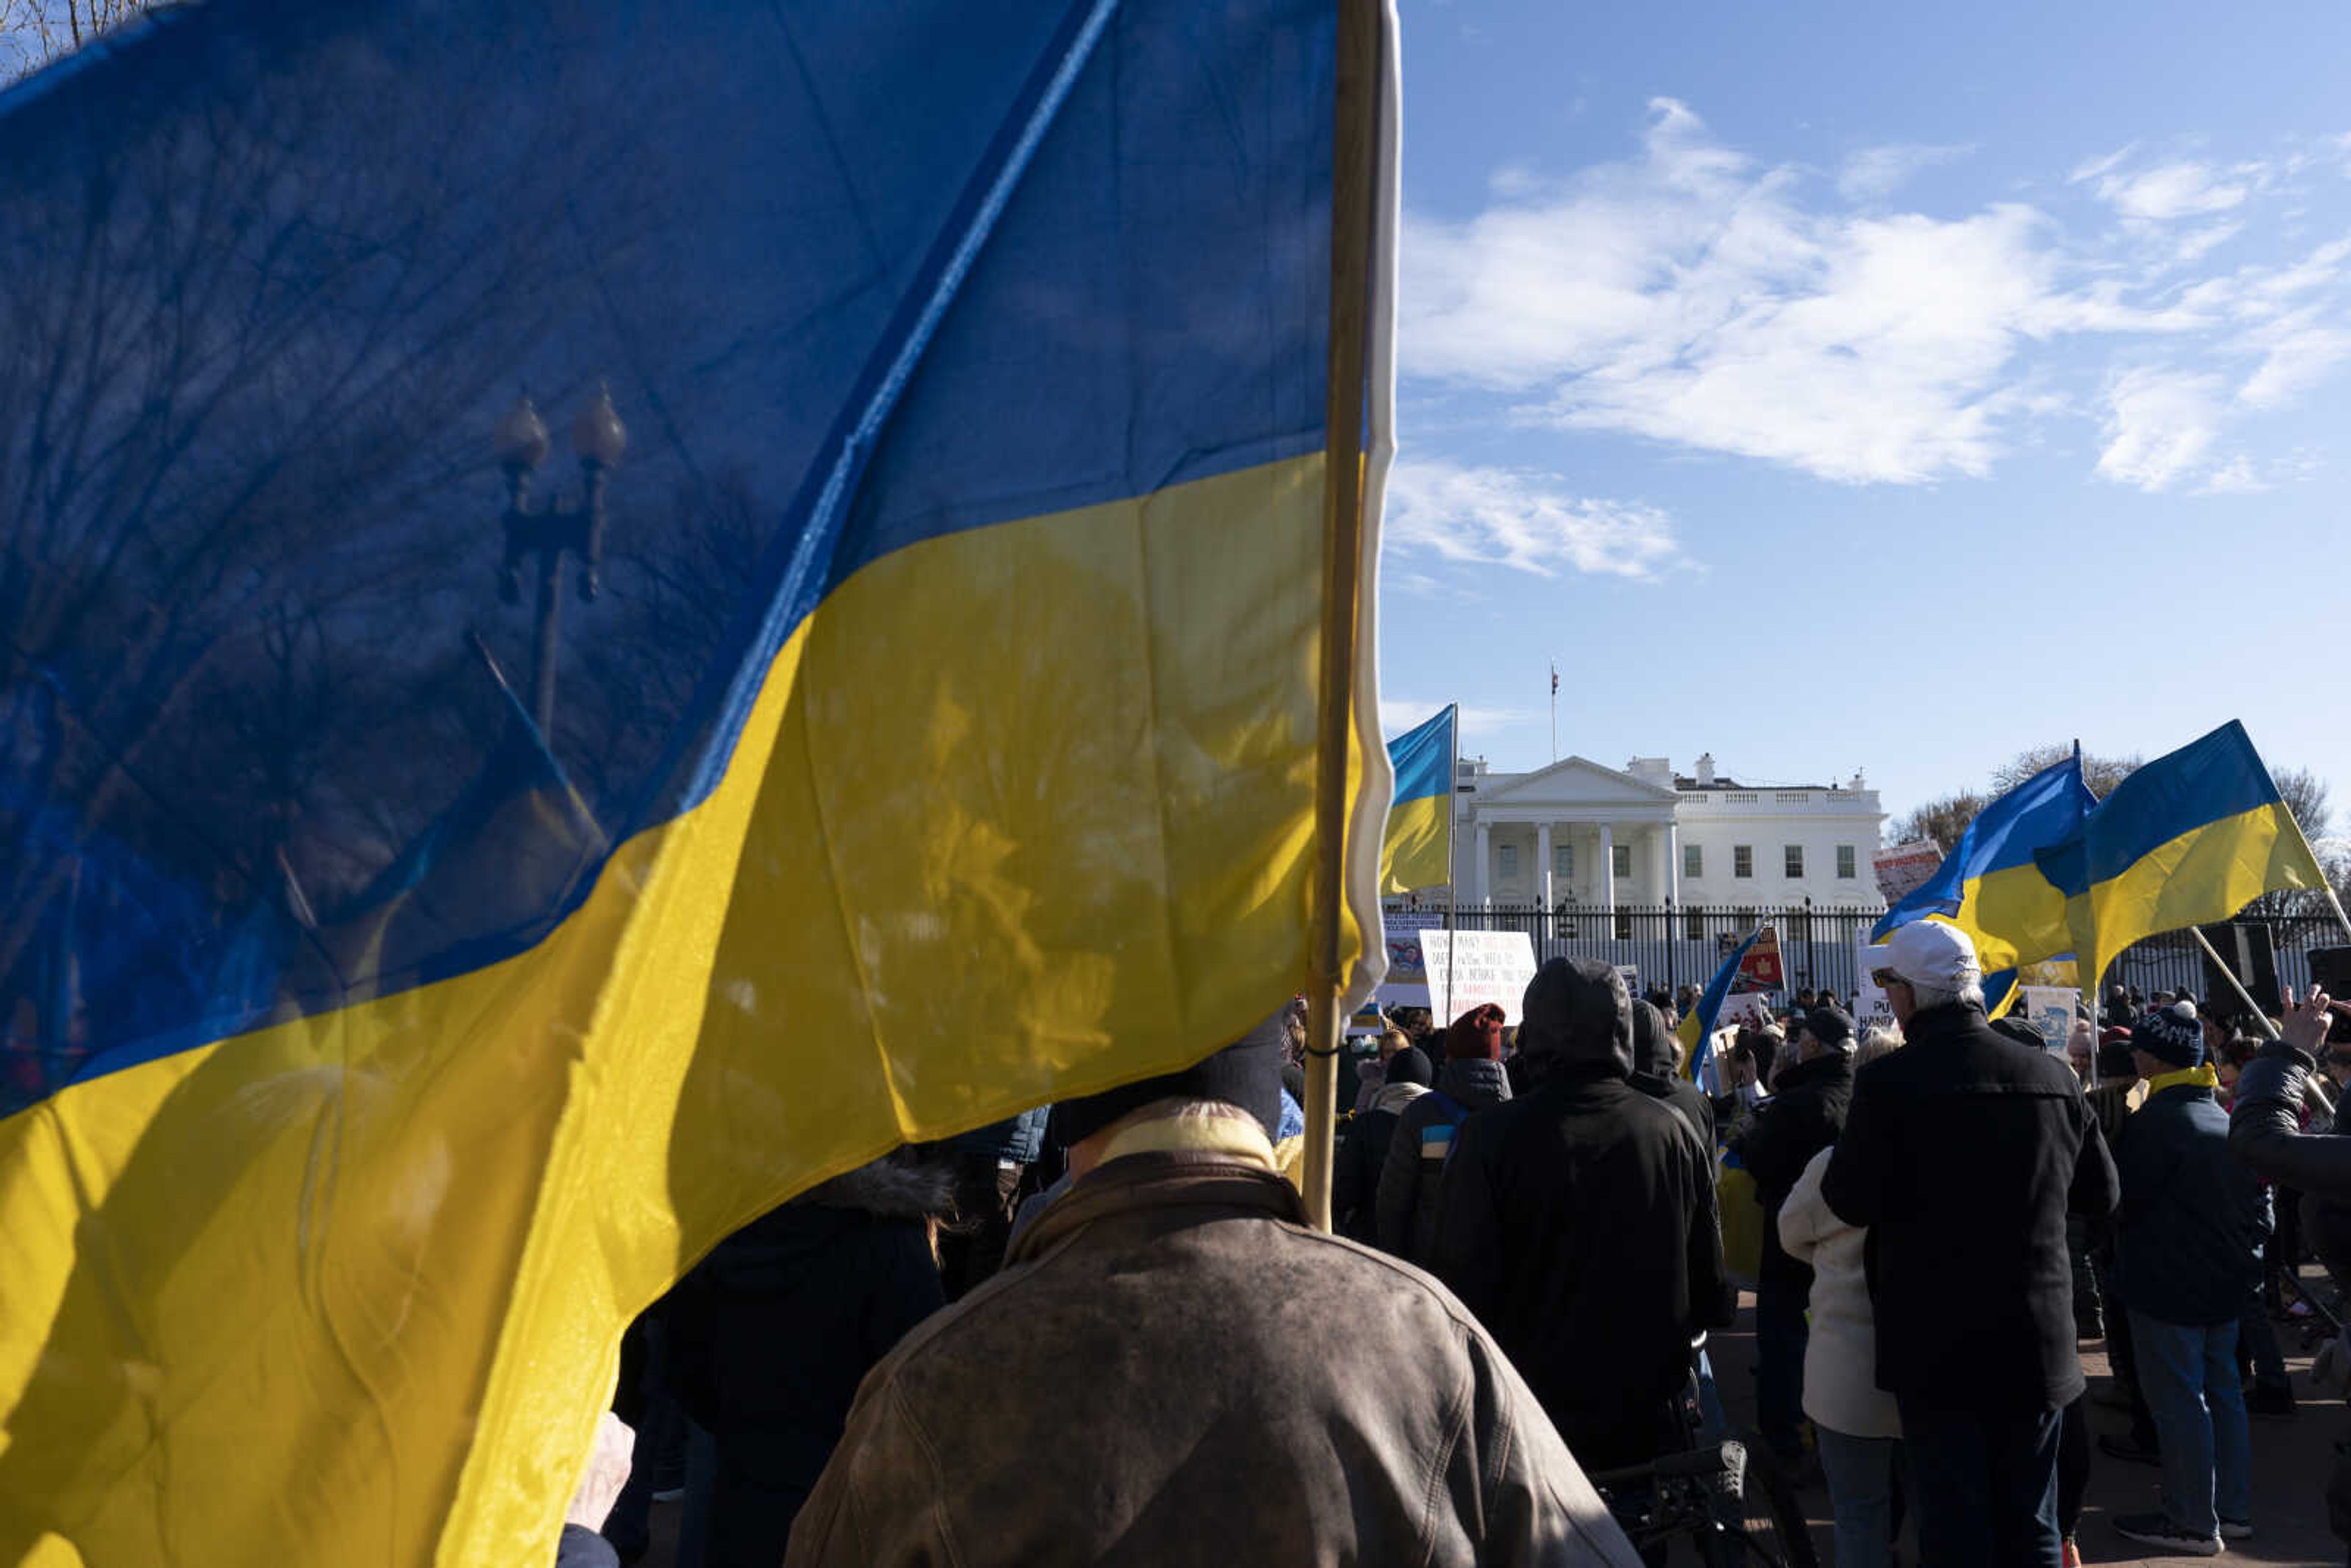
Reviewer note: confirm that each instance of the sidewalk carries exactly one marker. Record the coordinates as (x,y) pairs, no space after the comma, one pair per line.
(2291,1462)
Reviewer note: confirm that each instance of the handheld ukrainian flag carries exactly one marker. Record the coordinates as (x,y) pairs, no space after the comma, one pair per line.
(955,663)
(1696,1031)
(1418,848)
(1991,887)
(2191,838)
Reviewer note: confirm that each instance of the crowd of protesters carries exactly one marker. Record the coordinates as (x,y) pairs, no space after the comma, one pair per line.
(1078,1336)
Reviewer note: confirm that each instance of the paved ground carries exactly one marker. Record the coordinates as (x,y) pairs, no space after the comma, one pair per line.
(2291,1460)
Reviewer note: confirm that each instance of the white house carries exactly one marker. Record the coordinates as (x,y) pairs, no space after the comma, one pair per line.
(1578,833)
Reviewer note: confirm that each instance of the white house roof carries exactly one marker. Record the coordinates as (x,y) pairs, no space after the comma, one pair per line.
(1576,781)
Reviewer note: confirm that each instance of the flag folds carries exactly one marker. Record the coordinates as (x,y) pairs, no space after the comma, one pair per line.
(1697,1029)
(934,722)
(2191,837)
(1418,848)
(1991,887)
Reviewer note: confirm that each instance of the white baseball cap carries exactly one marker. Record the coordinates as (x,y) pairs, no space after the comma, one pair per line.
(1930,953)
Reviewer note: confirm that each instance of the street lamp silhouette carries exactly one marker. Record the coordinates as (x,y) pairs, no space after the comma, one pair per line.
(520,439)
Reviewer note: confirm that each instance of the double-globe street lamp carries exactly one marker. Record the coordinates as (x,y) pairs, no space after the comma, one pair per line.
(520,439)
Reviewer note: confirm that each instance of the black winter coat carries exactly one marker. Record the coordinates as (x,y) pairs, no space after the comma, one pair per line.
(2265,1131)
(2191,1214)
(1962,1153)
(1804,1116)
(1417,1152)
(1578,1222)
(1363,1153)
(777,1327)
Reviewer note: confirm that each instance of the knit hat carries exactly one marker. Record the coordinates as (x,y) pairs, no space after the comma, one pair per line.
(1410,1065)
(1830,1027)
(2174,1034)
(1476,1035)
(2115,1054)
(1246,1074)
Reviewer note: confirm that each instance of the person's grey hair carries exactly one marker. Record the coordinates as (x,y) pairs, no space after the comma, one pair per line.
(1876,1041)
(1926,996)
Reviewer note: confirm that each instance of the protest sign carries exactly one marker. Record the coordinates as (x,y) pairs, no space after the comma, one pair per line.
(2050,1009)
(1761,970)
(1869,1004)
(1901,869)
(1466,969)
(1406,985)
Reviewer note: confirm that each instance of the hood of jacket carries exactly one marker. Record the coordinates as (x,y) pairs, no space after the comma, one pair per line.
(1396,1097)
(1475,1081)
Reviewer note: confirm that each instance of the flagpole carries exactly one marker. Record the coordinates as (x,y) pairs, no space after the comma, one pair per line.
(1554,710)
(1452,870)
(2089,982)
(1354,172)
(2253,1007)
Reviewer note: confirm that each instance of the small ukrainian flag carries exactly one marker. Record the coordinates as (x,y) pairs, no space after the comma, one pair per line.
(1418,848)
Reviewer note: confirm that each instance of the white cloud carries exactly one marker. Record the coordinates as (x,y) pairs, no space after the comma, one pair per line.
(1526,521)
(1400,714)
(2160,425)
(1692,295)
(1873,174)
(2233,478)
(2168,191)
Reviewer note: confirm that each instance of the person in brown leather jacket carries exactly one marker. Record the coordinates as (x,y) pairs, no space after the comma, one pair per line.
(1150,1380)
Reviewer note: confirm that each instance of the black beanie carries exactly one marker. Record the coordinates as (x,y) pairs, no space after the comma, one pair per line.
(2173,1035)
(1410,1065)
(2023,1032)
(1246,1074)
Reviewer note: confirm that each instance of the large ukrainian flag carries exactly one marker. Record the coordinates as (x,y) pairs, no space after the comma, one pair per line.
(1991,887)
(1417,850)
(976,706)
(2191,837)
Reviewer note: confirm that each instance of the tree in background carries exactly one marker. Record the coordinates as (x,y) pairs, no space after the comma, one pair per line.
(35,32)
(1944,818)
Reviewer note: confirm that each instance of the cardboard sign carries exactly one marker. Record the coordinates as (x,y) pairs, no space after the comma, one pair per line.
(1467,969)
(2050,1009)
(1901,869)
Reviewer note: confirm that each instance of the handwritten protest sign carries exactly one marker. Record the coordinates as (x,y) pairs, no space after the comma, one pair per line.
(1466,969)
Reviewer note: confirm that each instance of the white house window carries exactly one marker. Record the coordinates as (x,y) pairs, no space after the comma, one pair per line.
(1623,858)
(1795,855)
(1742,860)
(1694,926)
(1845,858)
(1510,854)
(1562,861)
(1693,859)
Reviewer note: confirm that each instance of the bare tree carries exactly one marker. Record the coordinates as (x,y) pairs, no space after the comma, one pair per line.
(33,33)
(2100,773)
(1940,820)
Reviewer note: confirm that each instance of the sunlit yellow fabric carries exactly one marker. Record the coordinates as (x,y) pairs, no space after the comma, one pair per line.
(1083,839)
(2206,874)
(1418,852)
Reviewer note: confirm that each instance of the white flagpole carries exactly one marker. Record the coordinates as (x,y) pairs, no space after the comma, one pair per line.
(1452,869)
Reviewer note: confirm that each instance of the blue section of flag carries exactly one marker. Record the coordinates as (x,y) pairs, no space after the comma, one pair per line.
(2208,780)
(2042,810)
(1423,758)
(1698,1030)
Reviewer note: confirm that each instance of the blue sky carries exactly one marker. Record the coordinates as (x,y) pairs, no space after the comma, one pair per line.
(1866,387)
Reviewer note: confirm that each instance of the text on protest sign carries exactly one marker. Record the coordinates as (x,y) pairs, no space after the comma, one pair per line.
(1469,968)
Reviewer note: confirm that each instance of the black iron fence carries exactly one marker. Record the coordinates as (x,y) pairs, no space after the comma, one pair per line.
(1672,945)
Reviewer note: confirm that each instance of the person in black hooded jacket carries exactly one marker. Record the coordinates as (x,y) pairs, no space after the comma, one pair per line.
(1578,1222)
(1655,1074)
(777,1327)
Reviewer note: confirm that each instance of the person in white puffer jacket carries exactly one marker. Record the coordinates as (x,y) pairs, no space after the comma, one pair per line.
(1860,1429)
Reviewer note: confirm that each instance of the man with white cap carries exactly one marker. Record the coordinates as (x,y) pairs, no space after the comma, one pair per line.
(1962,1153)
